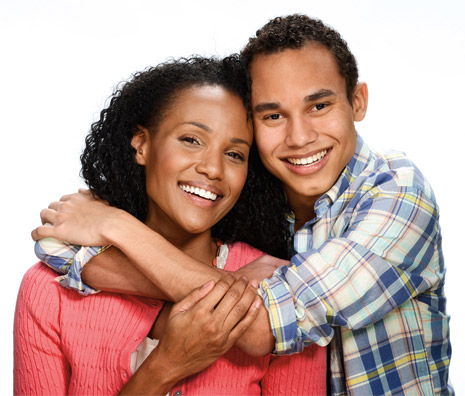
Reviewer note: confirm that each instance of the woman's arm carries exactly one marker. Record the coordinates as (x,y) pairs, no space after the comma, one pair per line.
(200,329)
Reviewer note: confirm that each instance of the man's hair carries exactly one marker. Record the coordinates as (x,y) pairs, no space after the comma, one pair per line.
(296,31)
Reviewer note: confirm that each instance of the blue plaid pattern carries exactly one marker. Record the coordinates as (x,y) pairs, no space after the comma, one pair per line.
(69,260)
(367,278)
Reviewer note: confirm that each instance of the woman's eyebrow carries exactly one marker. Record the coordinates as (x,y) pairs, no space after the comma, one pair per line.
(240,141)
(198,125)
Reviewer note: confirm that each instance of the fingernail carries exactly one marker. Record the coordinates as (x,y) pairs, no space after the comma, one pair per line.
(254,283)
(207,284)
(257,304)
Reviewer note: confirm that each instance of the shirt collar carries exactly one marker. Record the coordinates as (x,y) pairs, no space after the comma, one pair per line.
(354,168)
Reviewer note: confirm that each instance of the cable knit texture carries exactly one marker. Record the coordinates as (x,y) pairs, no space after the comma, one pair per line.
(69,344)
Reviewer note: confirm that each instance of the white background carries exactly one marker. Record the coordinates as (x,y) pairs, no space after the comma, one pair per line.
(61,59)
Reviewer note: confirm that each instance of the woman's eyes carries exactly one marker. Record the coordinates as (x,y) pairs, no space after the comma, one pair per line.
(190,140)
(195,141)
(236,156)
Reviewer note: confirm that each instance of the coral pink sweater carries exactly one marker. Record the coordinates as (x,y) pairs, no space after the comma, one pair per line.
(68,344)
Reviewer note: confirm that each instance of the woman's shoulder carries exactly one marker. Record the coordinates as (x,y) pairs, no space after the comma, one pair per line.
(40,276)
(240,254)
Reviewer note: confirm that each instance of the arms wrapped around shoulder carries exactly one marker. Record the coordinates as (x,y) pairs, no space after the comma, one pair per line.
(69,260)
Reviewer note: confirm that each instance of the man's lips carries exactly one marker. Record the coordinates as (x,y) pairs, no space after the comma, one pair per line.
(307,160)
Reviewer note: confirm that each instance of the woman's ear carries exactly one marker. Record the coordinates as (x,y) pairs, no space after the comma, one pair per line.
(360,101)
(140,142)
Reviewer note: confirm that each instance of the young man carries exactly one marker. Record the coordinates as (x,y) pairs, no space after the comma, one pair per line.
(367,275)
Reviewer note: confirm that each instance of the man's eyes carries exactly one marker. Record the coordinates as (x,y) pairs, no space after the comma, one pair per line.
(274,116)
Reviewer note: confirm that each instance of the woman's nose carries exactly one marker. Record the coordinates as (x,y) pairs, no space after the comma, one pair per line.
(211,165)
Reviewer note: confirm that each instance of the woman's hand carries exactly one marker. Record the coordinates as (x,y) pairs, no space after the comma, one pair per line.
(200,328)
(78,219)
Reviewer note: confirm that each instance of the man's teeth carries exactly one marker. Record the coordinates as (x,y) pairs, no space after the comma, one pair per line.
(200,192)
(308,160)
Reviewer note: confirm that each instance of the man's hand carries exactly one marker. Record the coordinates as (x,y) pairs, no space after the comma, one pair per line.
(200,328)
(78,219)
(261,268)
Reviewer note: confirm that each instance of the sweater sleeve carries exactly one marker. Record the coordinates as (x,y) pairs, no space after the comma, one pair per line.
(299,374)
(40,367)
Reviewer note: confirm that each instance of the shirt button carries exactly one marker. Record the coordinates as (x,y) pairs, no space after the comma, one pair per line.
(177,393)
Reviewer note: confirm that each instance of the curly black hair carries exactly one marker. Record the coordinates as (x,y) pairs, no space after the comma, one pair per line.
(111,172)
(294,32)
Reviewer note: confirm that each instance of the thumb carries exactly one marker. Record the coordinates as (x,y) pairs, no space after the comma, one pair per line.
(192,298)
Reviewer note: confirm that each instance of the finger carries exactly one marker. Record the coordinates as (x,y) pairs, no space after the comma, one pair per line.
(230,300)
(66,197)
(48,216)
(40,232)
(84,191)
(214,297)
(240,309)
(243,325)
(55,205)
(192,298)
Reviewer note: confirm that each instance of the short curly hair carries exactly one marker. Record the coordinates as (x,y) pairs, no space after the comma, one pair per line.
(296,31)
(108,160)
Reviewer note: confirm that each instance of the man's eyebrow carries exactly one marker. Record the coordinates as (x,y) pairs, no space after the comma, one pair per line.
(198,125)
(322,93)
(266,106)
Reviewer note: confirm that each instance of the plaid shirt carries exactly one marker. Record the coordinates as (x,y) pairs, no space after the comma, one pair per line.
(367,278)
(67,259)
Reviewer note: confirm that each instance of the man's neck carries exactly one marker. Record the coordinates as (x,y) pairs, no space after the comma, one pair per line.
(303,209)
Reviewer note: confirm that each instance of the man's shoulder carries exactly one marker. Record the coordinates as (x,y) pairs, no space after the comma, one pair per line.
(393,170)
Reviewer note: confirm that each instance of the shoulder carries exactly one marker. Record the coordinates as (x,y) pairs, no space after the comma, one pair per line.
(390,171)
(39,295)
(240,254)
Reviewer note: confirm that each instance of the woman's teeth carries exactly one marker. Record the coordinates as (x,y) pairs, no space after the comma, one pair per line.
(308,160)
(199,191)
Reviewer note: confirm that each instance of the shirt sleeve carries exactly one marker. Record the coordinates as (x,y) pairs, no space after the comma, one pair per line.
(387,254)
(68,260)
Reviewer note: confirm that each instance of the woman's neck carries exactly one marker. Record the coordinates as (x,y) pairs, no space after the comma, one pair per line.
(198,246)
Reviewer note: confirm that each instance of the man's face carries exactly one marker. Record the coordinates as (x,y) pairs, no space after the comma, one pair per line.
(304,123)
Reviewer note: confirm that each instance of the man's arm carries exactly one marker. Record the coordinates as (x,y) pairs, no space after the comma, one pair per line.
(388,253)
(200,329)
(173,273)
(176,274)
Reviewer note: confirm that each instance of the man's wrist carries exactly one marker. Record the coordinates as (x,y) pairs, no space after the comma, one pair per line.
(118,227)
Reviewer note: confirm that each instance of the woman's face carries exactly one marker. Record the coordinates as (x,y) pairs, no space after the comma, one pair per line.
(196,162)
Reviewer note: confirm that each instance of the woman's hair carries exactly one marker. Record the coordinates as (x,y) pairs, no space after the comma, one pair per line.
(111,172)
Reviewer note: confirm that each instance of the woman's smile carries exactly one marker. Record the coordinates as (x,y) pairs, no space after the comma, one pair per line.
(196,161)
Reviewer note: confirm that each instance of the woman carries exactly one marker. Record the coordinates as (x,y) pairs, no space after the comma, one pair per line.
(172,150)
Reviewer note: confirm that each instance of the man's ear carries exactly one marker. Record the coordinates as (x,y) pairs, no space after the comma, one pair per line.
(360,101)
(140,142)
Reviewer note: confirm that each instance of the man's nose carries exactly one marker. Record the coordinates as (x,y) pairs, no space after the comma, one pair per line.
(300,132)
